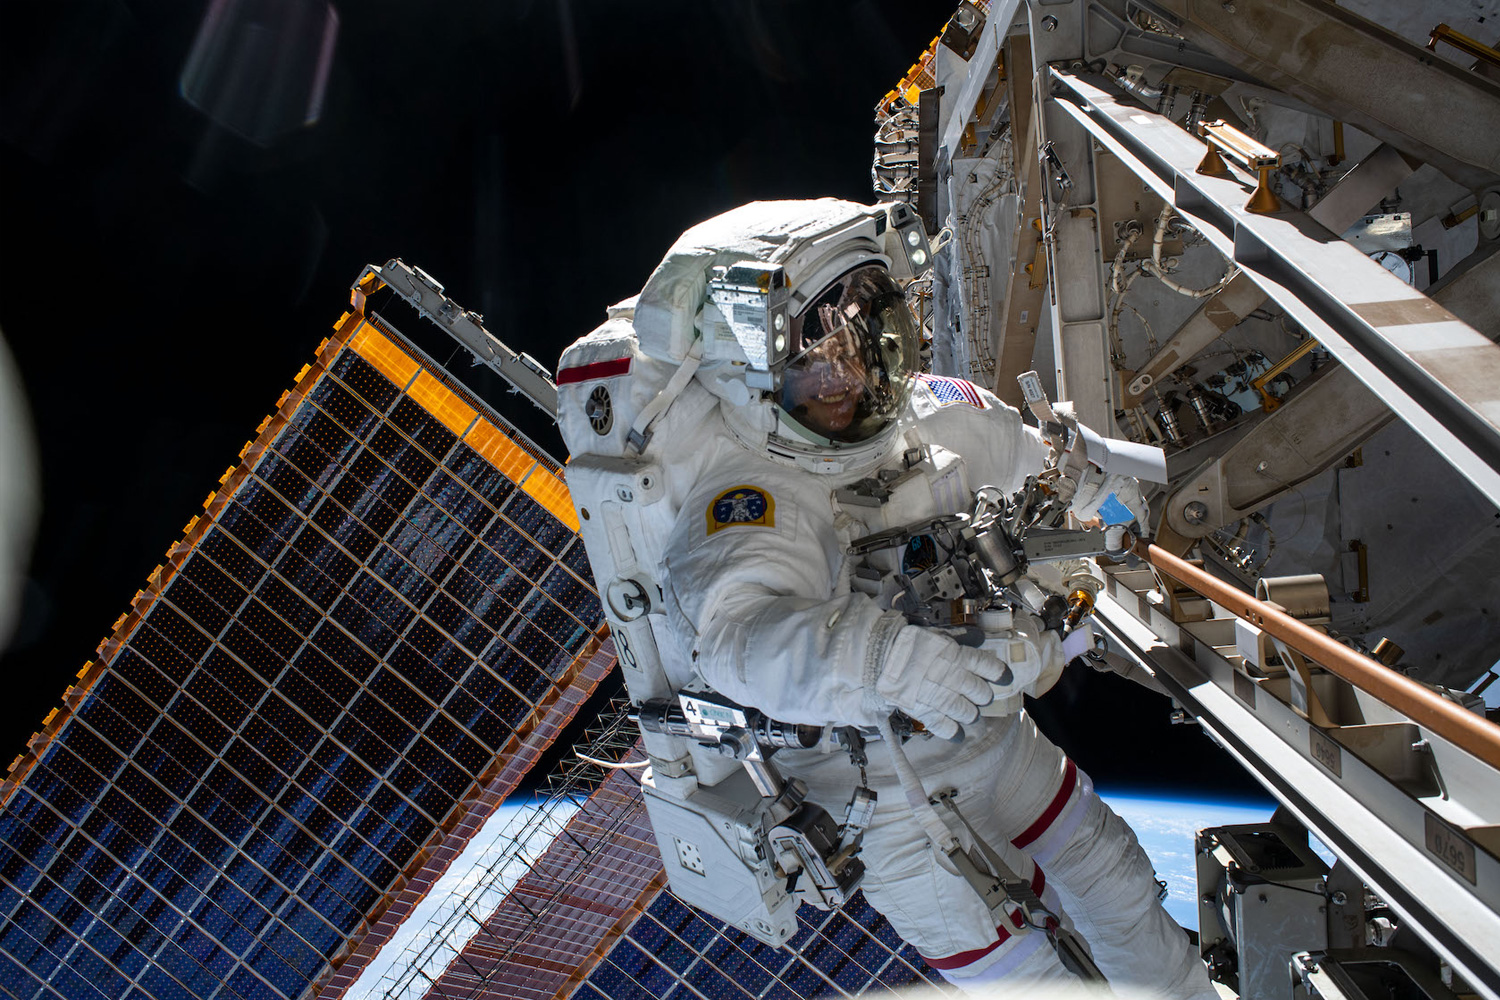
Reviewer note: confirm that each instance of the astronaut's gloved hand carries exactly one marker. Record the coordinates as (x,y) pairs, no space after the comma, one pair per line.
(934,680)
(1034,650)
(1114,499)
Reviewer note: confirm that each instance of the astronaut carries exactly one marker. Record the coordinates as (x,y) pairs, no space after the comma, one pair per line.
(781,454)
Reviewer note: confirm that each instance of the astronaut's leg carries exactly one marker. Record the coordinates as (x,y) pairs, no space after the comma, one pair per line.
(1100,871)
(943,916)
(931,908)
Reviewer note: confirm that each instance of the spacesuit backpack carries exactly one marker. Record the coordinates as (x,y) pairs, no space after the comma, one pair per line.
(714,822)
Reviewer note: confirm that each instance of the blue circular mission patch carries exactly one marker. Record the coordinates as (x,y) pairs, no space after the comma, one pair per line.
(741,505)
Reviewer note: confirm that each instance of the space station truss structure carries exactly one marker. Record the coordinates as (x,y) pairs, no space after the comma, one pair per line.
(378,623)
(1265,236)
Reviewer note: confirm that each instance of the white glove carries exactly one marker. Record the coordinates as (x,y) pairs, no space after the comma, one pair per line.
(1093,498)
(936,681)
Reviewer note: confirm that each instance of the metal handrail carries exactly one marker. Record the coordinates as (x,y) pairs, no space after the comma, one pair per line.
(1464,729)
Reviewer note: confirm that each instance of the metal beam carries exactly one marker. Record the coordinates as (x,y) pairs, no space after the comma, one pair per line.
(1438,374)
(425,294)
(1374,827)
(1359,72)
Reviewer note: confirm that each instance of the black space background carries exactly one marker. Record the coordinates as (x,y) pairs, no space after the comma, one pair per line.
(162,280)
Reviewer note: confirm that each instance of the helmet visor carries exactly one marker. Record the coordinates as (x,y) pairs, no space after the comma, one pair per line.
(858,347)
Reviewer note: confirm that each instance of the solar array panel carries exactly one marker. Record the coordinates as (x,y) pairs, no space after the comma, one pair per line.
(674,952)
(592,920)
(381,619)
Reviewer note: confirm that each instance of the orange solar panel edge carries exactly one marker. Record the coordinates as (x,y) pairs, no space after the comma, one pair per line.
(390,360)
(496,447)
(552,493)
(440,401)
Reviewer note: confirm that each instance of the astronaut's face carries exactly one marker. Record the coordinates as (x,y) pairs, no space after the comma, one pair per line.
(856,342)
(825,388)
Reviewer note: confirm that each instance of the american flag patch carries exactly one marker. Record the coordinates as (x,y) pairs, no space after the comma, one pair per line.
(952,390)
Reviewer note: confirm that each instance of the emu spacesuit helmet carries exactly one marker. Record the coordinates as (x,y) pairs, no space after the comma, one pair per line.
(855,344)
(792,312)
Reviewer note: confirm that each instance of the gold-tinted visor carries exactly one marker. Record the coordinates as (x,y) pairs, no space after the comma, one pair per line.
(857,345)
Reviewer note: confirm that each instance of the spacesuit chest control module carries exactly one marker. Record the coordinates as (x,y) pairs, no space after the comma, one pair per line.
(830,579)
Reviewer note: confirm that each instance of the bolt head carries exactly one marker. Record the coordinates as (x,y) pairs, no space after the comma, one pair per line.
(1195,512)
(1049,23)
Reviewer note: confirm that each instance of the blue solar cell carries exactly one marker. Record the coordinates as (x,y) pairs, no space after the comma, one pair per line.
(286,721)
(356,619)
(439,527)
(204,951)
(49,781)
(383,602)
(363,858)
(267,510)
(267,663)
(269,629)
(23,939)
(343,527)
(183,861)
(215,586)
(458,623)
(745,969)
(235,560)
(448,737)
(292,609)
(352,414)
(292,950)
(422,427)
(15,979)
(96,972)
(485,480)
(196,720)
(17,871)
(402,454)
(402,577)
(74,985)
(373,492)
(142,675)
(324,554)
(348,884)
(119,735)
(167,883)
(296,489)
(515,548)
(312,928)
(249,987)
(385,838)
(573,596)
(209,693)
(158,983)
(462,503)
(230,934)
(375,389)
(401,814)
(500,700)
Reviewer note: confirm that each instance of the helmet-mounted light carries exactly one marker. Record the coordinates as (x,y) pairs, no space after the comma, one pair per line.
(905,241)
(747,308)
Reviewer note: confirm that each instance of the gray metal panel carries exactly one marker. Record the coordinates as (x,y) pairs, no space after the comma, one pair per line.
(1373,826)
(1438,374)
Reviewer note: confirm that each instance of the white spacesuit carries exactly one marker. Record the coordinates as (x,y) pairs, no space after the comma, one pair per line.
(770,454)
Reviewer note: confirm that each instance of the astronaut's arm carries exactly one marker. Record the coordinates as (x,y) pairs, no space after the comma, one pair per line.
(1004,450)
(843,661)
